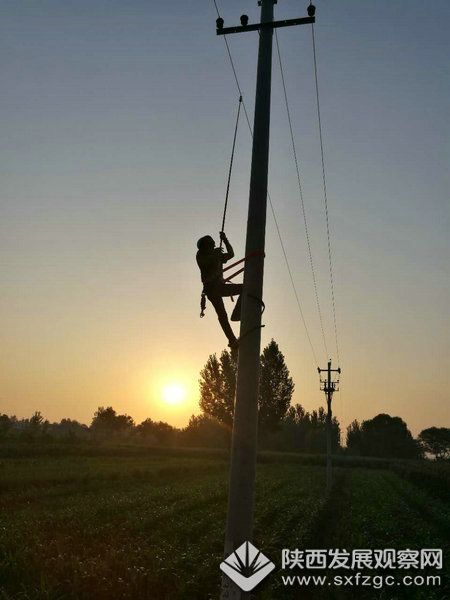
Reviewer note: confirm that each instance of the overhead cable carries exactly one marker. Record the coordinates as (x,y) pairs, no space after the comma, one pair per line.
(325,195)
(294,150)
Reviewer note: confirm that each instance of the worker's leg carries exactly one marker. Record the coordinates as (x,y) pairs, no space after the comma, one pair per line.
(217,302)
(233,289)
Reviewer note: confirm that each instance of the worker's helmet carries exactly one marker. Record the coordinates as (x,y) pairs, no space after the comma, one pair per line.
(206,243)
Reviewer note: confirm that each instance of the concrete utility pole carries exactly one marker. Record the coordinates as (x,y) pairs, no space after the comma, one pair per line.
(329,387)
(244,444)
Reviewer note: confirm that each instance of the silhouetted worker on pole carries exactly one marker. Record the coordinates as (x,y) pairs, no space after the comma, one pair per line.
(210,261)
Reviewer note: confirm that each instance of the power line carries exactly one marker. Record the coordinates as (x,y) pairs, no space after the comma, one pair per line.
(269,197)
(325,194)
(294,150)
(292,279)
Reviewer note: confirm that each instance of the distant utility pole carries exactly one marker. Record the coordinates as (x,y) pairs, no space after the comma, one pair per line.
(243,454)
(329,387)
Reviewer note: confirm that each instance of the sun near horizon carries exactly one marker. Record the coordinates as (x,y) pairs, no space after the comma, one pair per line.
(172,397)
(174,393)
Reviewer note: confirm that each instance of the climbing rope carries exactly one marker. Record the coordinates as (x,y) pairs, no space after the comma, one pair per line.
(203,295)
(230,169)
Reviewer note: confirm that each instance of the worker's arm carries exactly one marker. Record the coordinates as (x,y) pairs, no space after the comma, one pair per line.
(230,252)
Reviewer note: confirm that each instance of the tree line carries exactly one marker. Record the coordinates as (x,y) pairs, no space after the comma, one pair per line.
(282,426)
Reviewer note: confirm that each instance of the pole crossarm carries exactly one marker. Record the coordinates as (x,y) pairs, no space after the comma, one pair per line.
(271,25)
(328,386)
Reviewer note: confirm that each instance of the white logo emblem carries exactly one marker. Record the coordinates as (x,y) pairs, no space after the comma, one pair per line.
(247,566)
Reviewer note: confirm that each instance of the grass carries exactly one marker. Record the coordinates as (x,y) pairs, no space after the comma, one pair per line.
(134,523)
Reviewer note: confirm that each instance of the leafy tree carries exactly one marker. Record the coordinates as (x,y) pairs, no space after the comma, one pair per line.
(385,437)
(37,420)
(6,425)
(218,384)
(217,387)
(158,432)
(275,387)
(301,431)
(205,431)
(107,423)
(69,429)
(353,441)
(292,435)
(316,432)
(436,441)
(35,428)
(295,414)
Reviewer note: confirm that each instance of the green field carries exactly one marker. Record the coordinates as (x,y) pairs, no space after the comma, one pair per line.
(140,523)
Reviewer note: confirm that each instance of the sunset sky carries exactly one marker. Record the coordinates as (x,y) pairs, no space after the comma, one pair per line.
(117,124)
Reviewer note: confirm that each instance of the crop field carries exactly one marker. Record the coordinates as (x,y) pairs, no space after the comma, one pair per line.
(118,524)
